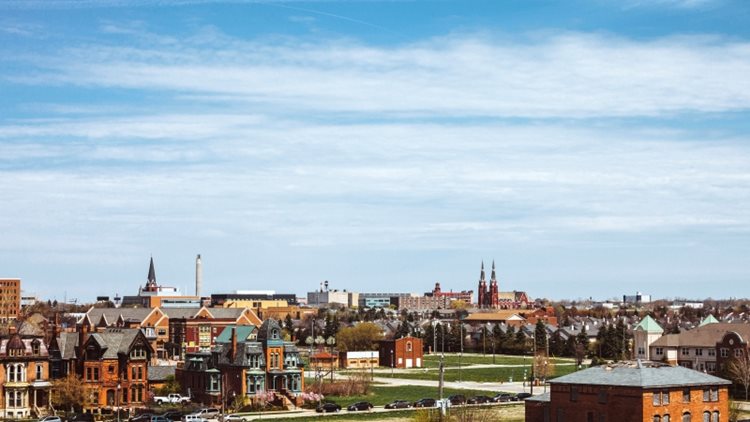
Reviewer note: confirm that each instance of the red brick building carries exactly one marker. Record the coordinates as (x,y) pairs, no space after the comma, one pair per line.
(114,368)
(192,330)
(405,352)
(630,392)
(10,299)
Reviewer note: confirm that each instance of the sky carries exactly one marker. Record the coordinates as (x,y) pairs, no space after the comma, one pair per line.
(590,148)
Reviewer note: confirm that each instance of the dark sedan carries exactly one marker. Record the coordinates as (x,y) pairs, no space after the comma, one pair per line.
(521,396)
(328,407)
(479,400)
(457,399)
(425,403)
(503,397)
(143,417)
(360,405)
(398,404)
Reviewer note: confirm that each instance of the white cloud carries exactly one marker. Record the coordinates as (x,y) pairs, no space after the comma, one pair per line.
(568,75)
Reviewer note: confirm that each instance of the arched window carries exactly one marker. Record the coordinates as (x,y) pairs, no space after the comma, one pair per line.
(665,418)
(657,418)
(686,417)
(408,346)
(716,416)
(706,416)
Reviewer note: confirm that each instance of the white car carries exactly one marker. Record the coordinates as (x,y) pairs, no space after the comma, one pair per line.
(232,418)
(50,419)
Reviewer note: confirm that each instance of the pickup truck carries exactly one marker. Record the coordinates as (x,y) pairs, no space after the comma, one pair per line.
(173,398)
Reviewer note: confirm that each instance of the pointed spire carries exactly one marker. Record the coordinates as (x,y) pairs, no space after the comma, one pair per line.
(492,276)
(481,274)
(151,273)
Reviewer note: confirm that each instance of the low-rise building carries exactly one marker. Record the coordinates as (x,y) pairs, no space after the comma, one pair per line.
(366,359)
(24,373)
(405,352)
(633,392)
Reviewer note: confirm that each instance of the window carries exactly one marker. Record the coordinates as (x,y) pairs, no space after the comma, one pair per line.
(712,352)
(573,393)
(665,418)
(602,397)
(408,346)
(685,351)
(111,369)
(665,397)
(711,366)
(724,352)
(657,418)
(714,394)
(39,371)
(590,417)
(686,417)
(715,416)
(214,383)
(138,353)
(96,374)
(35,347)
(659,351)
(738,353)
(686,396)
(656,398)
(560,415)
(698,352)
(132,373)
(140,373)
(706,416)
(641,351)
(274,334)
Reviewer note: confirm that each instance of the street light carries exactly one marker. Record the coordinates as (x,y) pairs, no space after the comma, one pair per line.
(394,345)
(117,397)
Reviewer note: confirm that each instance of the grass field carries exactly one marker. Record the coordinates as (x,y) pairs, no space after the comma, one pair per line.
(488,374)
(433,361)
(511,413)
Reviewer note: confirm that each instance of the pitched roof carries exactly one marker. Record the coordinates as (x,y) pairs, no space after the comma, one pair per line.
(160,372)
(111,315)
(243,333)
(703,336)
(649,325)
(708,320)
(500,315)
(116,341)
(640,374)
(67,343)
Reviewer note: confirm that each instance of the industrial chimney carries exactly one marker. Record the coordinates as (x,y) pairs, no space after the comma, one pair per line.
(198,275)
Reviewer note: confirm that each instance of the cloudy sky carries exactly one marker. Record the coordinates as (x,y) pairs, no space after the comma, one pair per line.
(590,148)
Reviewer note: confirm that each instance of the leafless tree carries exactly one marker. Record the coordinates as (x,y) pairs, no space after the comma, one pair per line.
(739,370)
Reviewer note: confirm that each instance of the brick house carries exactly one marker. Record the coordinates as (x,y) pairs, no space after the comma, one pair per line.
(244,368)
(196,330)
(24,372)
(732,345)
(114,367)
(405,352)
(630,392)
(153,321)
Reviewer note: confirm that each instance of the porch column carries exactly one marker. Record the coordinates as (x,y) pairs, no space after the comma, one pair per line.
(35,397)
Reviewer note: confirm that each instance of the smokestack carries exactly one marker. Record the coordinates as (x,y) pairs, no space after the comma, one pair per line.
(198,275)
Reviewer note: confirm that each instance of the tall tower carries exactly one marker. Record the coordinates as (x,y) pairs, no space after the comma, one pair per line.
(482,296)
(198,275)
(494,300)
(151,281)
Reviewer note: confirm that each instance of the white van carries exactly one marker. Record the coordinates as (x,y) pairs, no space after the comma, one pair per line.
(193,418)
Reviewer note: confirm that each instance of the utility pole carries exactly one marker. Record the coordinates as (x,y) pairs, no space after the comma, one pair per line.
(460,354)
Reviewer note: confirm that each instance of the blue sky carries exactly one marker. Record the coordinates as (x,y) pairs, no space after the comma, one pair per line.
(591,148)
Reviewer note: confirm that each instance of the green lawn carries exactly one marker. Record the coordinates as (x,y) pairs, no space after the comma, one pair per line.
(432,361)
(354,416)
(492,374)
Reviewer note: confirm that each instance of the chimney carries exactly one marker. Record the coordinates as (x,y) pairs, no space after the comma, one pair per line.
(234,342)
(198,275)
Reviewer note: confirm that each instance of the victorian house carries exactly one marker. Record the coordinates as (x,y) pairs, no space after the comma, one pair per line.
(244,362)
(114,367)
(24,372)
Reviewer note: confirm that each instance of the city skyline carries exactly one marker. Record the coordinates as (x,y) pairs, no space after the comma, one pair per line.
(591,148)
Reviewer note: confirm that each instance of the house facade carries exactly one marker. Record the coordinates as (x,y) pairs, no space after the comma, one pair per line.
(630,392)
(24,371)
(114,368)
(405,352)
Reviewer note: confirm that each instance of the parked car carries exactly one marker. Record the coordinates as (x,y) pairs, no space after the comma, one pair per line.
(143,417)
(193,418)
(328,407)
(172,415)
(360,405)
(398,404)
(426,402)
(173,398)
(521,396)
(503,397)
(50,419)
(232,418)
(479,400)
(457,399)
(82,417)
(207,412)
(159,419)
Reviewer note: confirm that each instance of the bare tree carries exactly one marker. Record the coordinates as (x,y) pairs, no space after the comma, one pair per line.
(739,370)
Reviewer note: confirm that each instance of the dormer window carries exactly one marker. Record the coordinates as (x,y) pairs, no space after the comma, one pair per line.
(275,334)
(138,353)
(35,347)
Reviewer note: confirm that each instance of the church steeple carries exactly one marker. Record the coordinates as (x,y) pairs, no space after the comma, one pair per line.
(481,274)
(151,274)
(492,276)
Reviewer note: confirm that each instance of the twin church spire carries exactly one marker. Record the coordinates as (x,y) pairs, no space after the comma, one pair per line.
(488,295)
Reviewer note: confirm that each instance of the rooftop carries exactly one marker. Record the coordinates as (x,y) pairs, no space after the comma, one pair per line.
(643,374)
